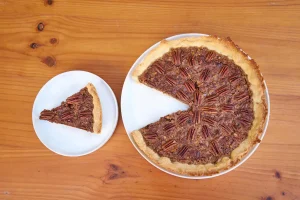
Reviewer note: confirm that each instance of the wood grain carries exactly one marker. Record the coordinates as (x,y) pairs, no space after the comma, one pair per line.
(106,38)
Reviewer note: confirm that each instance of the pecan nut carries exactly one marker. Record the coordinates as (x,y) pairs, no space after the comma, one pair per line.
(204,75)
(150,136)
(189,85)
(182,150)
(190,134)
(168,145)
(47,114)
(169,127)
(176,55)
(210,56)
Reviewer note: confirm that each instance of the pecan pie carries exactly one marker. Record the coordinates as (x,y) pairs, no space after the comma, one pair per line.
(227,109)
(81,110)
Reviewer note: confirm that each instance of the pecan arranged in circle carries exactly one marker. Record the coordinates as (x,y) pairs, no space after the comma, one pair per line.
(158,67)
(46,115)
(189,85)
(182,150)
(168,145)
(190,134)
(183,96)
(210,56)
(151,136)
(183,118)
(176,54)
(204,75)
(223,70)
(74,99)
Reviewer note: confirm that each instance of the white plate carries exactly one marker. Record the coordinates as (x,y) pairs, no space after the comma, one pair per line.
(141,105)
(65,140)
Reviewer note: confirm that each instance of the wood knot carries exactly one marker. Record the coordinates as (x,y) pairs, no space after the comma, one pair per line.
(277,175)
(267,198)
(40,26)
(114,172)
(34,45)
(49,61)
(49,2)
(113,167)
(53,40)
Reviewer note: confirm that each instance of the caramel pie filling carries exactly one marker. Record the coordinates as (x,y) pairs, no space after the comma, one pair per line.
(221,107)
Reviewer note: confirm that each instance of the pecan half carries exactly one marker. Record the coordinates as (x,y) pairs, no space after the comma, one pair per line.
(244,102)
(204,75)
(85,113)
(150,136)
(191,61)
(241,96)
(245,121)
(227,107)
(210,121)
(183,72)
(169,127)
(226,128)
(67,115)
(176,55)
(215,148)
(168,145)
(47,114)
(209,109)
(222,89)
(182,150)
(211,98)
(197,97)
(189,85)
(183,118)
(190,134)
(204,131)
(158,67)
(210,56)
(196,117)
(74,99)
(170,80)
(182,95)
(246,111)
(233,78)
(223,70)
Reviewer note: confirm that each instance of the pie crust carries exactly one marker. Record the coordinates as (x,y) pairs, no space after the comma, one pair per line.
(227,48)
(97,111)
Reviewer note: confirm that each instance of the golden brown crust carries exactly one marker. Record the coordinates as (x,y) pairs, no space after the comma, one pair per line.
(228,48)
(97,111)
(177,167)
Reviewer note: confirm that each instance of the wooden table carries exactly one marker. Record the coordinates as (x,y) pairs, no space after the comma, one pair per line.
(40,39)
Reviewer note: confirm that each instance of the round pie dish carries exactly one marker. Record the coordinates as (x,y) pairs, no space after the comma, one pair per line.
(217,98)
(66,140)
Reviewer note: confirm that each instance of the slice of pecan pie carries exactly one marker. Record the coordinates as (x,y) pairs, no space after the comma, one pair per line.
(81,110)
(227,110)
